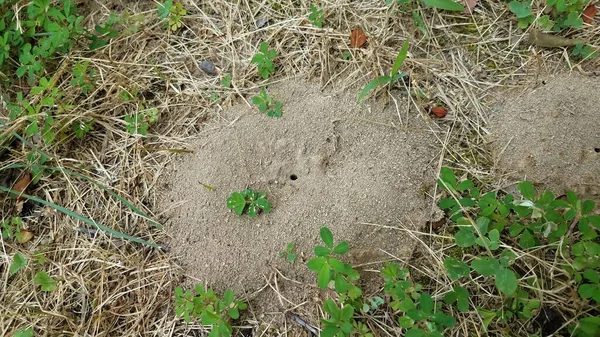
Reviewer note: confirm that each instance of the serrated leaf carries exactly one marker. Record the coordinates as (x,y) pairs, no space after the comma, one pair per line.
(18,263)
(45,282)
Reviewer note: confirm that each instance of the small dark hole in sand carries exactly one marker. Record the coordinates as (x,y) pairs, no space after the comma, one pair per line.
(293,177)
(597,149)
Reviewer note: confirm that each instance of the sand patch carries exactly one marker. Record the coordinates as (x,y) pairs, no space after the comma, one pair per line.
(551,135)
(326,162)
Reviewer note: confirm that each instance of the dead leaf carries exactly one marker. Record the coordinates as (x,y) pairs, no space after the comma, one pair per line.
(21,185)
(589,13)
(439,111)
(436,225)
(537,38)
(470,5)
(357,38)
(24,236)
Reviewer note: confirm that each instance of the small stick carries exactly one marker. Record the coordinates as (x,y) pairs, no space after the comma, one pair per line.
(300,322)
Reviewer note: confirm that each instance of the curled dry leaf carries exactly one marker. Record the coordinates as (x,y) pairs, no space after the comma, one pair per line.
(21,185)
(439,111)
(589,13)
(24,236)
(470,5)
(357,38)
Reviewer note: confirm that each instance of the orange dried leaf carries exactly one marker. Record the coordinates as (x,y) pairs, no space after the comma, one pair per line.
(589,13)
(21,185)
(439,111)
(357,38)
(24,236)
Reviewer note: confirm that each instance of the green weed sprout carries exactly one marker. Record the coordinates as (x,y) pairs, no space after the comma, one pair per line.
(316,16)
(289,253)
(202,303)
(386,79)
(265,103)
(250,201)
(264,60)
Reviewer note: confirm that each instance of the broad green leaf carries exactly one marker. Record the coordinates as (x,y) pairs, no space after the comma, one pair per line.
(263,204)
(527,240)
(486,266)
(340,284)
(587,290)
(347,313)
(527,190)
(464,185)
(381,80)
(329,331)
(346,328)
(316,263)
(322,251)
(482,224)
(327,237)
(330,307)
(400,59)
(337,265)
(448,5)
(447,175)
(405,322)
(18,263)
(592,275)
(28,332)
(443,319)
(446,203)
(324,276)
(237,203)
(506,281)
(456,269)
(45,282)
(464,238)
(228,297)
(342,248)
(426,303)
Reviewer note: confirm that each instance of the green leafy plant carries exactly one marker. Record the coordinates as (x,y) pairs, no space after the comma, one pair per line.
(329,268)
(387,79)
(203,304)
(316,16)
(19,262)
(248,201)
(559,14)
(138,123)
(289,253)
(584,51)
(174,11)
(486,223)
(340,321)
(82,77)
(264,60)
(264,103)
(422,316)
(104,33)
(226,81)
(45,282)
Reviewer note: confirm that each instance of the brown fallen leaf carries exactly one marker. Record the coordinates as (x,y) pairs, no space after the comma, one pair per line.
(357,38)
(24,236)
(21,185)
(470,5)
(439,111)
(540,39)
(589,13)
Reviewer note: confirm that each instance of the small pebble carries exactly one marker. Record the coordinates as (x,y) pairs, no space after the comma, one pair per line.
(208,67)
(261,22)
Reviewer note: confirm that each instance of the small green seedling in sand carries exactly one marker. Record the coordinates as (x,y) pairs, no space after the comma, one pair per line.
(329,268)
(264,60)
(289,253)
(316,16)
(250,201)
(264,103)
(387,79)
(202,303)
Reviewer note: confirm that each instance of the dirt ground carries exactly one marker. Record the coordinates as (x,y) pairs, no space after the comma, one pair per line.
(550,135)
(326,162)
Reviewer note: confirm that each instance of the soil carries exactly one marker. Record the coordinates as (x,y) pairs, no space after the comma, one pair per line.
(550,135)
(326,162)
